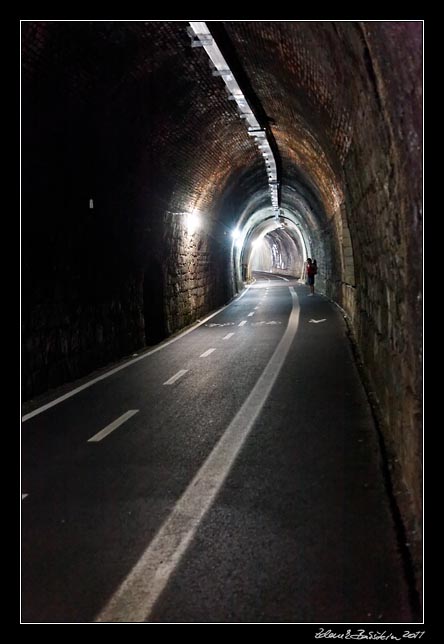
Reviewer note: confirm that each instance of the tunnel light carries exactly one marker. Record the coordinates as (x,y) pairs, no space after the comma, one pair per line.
(201,36)
(192,222)
(237,237)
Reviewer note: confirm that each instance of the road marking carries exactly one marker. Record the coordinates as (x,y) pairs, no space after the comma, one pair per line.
(250,314)
(317,321)
(242,323)
(112,426)
(207,353)
(223,324)
(263,322)
(135,598)
(77,390)
(256,308)
(24,496)
(228,336)
(178,375)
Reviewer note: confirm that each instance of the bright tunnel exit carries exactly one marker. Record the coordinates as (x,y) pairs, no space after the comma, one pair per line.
(263,242)
(277,251)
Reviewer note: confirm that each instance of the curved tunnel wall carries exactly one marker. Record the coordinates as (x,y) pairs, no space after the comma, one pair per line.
(125,132)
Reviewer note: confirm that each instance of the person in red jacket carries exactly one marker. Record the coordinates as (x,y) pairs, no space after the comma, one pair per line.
(312,269)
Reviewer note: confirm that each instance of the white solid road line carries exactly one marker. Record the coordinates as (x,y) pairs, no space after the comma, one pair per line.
(135,598)
(178,375)
(112,426)
(228,336)
(207,353)
(242,323)
(75,391)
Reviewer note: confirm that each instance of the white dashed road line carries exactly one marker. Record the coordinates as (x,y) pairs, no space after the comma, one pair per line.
(178,375)
(112,426)
(228,336)
(207,353)
(242,323)
(136,596)
(75,391)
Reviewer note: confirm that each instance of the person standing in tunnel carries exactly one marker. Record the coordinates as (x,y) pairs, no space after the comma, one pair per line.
(312,269)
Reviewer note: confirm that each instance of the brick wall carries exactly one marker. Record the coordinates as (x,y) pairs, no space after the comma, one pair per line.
(383,172)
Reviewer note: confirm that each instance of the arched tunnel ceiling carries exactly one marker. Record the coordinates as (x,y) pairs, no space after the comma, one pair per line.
(187,138)
(295,71)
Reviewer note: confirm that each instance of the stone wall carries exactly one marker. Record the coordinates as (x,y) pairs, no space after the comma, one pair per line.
(122,126)
(65,338)
(383,174)
(197,273)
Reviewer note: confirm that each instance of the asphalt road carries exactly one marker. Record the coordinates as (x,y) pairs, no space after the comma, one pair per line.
(233,475)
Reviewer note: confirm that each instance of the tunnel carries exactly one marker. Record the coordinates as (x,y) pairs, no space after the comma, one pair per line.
(166,165)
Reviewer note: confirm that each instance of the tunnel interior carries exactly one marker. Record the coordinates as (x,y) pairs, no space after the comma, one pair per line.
(278,251)
(145,199)
(271,245)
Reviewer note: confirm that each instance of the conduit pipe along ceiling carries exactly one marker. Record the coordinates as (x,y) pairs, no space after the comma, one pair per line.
(201,37)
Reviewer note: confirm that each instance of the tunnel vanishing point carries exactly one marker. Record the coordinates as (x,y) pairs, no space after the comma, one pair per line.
(162,162)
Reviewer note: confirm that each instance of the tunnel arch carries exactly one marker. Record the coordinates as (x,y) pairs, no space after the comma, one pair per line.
(303,215)
(279,250)
(260,225)
(130,116)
